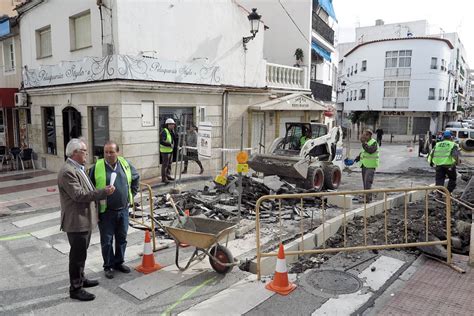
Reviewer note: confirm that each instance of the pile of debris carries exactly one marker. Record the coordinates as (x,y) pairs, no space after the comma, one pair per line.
(221,202)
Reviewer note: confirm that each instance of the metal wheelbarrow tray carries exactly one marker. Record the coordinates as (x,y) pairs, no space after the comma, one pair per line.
(205,239)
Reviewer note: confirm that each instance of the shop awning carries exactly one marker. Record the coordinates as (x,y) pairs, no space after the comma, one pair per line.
(321,51)
(292,102)
(326,5)
(7,97)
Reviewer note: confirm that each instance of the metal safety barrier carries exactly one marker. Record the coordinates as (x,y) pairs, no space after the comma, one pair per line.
(407,192)
(140,220)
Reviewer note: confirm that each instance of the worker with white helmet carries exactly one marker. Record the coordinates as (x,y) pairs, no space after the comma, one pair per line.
(166,150)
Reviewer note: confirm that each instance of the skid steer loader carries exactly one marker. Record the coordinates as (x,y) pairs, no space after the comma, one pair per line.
(315,164)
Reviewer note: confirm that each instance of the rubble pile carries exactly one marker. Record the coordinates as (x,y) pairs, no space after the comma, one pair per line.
(221,202)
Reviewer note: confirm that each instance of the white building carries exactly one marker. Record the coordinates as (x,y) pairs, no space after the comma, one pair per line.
(407,81)
(113,69)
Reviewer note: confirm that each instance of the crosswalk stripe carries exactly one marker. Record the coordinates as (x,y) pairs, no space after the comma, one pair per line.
(49,231)
(248,292)
(151,284)
(37,219)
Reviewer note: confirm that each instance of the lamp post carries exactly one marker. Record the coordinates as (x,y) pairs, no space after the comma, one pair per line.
(254,19)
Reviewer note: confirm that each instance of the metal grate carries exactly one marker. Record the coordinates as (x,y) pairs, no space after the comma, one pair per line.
(17,207)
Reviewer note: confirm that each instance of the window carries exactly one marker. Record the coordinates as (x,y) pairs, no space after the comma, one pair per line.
(100,130)
(9,55)
(443,65)
(355,95)
(352,70)
(313,72)
(43,42)
(431,95)
(49,129)
(350,98)
(362,94)
(395,59)
(347,96)
(364,65)
(396,89)
(434,63)
(80,30)
(2,124)
(441,95)
(355,69)
(394,125)
(403,89)
(348,72)
(389,89)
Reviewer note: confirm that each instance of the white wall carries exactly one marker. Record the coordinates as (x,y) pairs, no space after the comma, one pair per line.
(189,30)
(422,77)
(394,30)
(283,37)
(56,13)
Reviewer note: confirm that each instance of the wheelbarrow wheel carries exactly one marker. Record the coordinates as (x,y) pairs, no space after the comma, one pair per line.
(223,255)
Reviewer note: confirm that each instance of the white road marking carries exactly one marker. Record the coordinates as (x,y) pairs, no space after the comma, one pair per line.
(37,219)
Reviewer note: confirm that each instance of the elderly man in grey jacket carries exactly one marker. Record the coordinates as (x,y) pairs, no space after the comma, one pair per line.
(78,215)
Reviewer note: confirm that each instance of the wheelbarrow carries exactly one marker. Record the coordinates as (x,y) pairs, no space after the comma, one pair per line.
(205,235)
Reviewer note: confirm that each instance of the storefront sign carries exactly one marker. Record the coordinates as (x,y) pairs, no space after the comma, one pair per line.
(204,141)
(300,102)
(393,113)
(122,67)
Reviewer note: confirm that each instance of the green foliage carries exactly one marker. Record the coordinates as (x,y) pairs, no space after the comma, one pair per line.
(299,54)
(364,116)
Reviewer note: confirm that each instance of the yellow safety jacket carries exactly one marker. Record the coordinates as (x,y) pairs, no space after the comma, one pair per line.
(370,160)
(100,179)
(441,154)
(169,139)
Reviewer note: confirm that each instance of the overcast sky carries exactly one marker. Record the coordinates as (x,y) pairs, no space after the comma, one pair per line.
(451,16)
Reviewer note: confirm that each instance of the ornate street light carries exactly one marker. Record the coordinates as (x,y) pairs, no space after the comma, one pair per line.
(254,19)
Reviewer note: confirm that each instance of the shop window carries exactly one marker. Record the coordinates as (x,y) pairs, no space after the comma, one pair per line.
(100,129)
(421,125)
(49,129)
(396,125)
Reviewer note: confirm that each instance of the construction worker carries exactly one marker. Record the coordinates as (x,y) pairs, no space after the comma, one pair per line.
(445,157)
(306,136)
(166,150)
(369,160)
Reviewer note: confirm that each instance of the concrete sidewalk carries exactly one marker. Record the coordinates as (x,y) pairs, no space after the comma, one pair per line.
(429,288)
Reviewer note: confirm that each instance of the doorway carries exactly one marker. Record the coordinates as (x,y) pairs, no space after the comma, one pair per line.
(71,124)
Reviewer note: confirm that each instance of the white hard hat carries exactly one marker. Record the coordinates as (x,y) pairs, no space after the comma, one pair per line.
(170,121)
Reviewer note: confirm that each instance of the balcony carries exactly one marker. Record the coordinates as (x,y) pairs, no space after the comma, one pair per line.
(397,72)
(286,77)
(320,27)
(321,91)
(395,103)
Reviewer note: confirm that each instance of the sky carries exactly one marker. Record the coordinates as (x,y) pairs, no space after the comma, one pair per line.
(450,16)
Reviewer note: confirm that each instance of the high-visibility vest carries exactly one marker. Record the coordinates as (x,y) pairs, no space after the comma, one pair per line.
(100,179)
(169,139)
(441,154)
(303,140)
(370,160)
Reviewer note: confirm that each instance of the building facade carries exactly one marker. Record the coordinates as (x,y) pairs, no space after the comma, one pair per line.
(405,81)
(108,70)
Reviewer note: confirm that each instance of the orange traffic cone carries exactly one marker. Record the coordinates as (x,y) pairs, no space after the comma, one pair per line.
(148,261)
(183,245)
(280,283)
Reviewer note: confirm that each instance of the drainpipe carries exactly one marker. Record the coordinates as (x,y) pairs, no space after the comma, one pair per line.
(225,116)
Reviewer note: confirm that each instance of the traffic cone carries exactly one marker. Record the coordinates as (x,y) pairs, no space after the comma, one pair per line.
(181,244)
(148,261)
(280,283)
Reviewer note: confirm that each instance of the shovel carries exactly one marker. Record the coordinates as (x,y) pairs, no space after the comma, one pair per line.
(184,222)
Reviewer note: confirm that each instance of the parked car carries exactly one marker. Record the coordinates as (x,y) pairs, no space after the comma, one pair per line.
(464,137)
(456,125)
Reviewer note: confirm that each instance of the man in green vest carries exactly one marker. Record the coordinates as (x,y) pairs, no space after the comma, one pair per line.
(113,212)
(445,156)
(166,150)
(369,160)
(306,136)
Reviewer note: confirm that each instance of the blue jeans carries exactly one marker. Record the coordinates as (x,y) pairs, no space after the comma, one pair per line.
(113,223)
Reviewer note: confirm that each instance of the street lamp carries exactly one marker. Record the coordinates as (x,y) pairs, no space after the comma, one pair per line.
(254,19)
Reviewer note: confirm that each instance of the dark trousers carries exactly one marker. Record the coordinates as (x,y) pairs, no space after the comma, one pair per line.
(113,224)
(442,172)
(166,165)
(79,243)
(368,179)
(379,140)
(192,155)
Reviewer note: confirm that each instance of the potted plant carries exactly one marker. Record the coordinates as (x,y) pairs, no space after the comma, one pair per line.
(299,57)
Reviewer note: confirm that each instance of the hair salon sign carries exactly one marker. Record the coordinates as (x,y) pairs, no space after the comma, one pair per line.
(121,67)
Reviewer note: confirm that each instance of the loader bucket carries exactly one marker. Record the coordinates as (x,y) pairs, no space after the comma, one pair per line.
(285,167)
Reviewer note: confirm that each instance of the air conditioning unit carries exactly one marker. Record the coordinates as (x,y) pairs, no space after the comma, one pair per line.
(21,99)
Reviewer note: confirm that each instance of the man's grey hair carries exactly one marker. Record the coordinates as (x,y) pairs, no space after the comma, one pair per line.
(73,145)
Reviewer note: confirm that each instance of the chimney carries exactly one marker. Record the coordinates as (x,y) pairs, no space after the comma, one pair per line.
(379,22)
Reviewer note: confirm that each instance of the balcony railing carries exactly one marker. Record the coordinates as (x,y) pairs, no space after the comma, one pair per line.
(323,29)
(395,103)
(397,72)
(321,91)
(280,76)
